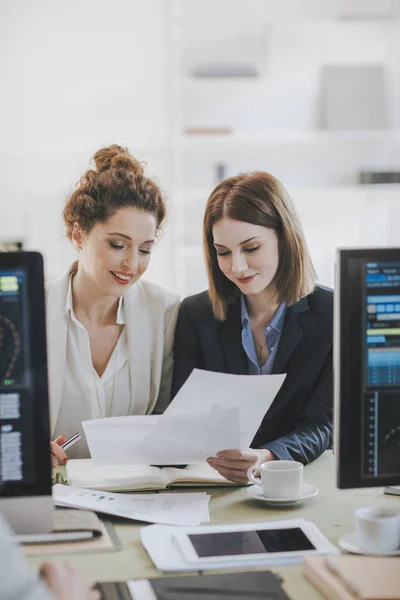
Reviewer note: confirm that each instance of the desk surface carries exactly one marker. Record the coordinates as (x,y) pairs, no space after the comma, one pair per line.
(332,511)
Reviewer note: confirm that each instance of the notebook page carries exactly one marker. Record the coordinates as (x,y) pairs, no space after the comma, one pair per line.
(83,473)
(200,474)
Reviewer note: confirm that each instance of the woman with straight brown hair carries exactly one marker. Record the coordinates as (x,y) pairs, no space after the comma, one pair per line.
(263,313)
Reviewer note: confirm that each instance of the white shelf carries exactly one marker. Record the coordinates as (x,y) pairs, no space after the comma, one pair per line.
(293,137)
(221,79)
(199,194)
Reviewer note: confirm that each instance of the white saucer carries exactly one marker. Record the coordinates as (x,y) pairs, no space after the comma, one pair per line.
(348,542)
(307,490)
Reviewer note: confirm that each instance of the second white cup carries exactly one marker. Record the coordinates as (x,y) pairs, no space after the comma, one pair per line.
(378,529)
(279,478)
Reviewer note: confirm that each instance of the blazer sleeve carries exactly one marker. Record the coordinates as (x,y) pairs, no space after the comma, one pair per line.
(187,350)
(164,395)
(312,434)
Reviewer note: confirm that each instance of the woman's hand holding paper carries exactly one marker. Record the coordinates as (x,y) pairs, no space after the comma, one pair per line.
(233,464)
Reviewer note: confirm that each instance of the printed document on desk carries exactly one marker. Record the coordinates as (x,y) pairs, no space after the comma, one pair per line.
(189,509)
(211,412)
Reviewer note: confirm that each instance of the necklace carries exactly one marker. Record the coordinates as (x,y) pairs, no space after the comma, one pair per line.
(262,353)
(115,351)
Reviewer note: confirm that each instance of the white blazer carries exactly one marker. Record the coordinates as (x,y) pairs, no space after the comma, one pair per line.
(151,312)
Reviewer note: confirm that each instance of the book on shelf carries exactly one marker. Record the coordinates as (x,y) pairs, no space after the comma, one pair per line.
(226,69)
(207,131)
(83,473)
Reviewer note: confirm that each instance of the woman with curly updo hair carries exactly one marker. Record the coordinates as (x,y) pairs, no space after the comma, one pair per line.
(110,333)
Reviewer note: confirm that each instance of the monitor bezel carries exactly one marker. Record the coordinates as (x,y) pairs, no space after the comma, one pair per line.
(32,264)
(347,347)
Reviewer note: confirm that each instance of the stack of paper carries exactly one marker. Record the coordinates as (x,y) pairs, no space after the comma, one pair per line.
(188,509)
(211,412)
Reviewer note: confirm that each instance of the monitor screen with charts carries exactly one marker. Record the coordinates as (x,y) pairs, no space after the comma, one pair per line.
(367,367)
(25,474)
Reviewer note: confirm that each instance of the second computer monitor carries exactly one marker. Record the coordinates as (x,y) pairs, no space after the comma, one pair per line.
(367,367)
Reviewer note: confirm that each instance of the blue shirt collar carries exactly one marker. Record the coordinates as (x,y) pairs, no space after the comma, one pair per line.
(276,322)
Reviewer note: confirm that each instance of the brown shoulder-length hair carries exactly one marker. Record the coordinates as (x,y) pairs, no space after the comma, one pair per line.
(260,199)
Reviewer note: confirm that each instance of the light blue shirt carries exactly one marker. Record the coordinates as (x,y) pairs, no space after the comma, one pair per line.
(272,330)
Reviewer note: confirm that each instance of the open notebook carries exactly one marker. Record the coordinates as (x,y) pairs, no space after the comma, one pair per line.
(82,473)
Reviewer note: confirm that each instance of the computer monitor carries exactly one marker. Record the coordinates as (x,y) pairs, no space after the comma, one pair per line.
(25,470)
(367,367)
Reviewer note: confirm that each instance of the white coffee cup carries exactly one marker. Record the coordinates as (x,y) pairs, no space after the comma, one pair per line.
(279,478)
(377,529)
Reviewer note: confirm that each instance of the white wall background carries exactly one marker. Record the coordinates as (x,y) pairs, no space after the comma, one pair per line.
(77,75)
(74,76)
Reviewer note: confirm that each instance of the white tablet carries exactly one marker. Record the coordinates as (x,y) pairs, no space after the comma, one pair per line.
(251,541)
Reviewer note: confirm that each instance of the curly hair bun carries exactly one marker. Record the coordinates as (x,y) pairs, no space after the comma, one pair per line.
(117,181)
(116,158)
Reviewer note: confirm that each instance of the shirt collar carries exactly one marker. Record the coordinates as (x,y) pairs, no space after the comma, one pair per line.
(244,312)
(121,312)
(69,309)
(68,304)
(276,321)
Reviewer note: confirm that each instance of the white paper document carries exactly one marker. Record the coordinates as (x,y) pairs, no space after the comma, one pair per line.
(211,412)
(159,542)
(170,508)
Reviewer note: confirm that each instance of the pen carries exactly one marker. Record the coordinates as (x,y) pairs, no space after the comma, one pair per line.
(71,441)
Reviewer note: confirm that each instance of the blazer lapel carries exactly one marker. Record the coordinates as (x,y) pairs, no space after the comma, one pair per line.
(291,335)
(56,326)
(139,329)
(231,337)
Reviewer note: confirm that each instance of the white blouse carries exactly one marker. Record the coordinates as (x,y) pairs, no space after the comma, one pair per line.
(86,395)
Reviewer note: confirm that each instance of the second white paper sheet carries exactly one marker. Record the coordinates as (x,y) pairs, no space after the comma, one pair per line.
(169,508)
(211,412)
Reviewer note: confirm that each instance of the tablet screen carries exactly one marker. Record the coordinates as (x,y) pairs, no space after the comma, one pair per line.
(241,543)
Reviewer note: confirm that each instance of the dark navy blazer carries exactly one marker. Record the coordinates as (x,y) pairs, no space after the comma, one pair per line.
(298,425)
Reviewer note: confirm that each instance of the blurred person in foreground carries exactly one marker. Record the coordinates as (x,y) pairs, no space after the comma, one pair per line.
(56,581)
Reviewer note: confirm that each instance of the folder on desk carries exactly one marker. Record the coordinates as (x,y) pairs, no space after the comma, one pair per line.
(354,577)
(68,535)
(241,586)
(70,526)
